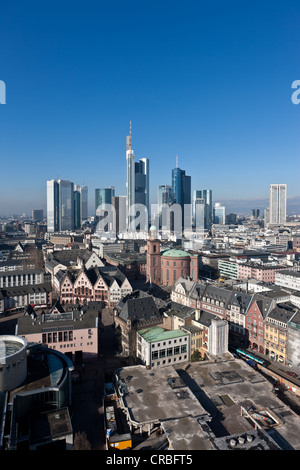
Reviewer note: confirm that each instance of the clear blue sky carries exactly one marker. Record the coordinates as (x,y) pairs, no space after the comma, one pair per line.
(209,80)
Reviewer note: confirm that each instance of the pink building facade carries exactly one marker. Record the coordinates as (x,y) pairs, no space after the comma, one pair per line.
(261,273)
(74,333)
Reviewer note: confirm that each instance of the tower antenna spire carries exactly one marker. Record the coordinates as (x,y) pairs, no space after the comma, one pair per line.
(130,128)
(177,161)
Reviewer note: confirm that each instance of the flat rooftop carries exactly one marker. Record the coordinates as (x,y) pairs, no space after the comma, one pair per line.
(156,333)
(157,394)
(204,404)
(227,387)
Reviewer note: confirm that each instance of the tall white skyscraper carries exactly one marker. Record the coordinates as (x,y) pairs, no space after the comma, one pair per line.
(130,181)
(277,208)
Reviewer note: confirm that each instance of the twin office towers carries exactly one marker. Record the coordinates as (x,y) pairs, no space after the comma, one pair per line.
(67,205)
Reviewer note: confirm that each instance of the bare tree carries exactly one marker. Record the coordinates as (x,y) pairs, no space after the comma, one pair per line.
(81,441)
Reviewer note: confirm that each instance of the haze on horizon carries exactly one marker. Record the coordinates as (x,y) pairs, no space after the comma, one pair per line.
(209,81)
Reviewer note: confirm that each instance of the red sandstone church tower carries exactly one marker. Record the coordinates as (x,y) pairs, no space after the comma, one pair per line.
(153,264)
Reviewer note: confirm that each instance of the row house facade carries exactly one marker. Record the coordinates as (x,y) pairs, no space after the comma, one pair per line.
(106,284)
(258,321)
(277,334)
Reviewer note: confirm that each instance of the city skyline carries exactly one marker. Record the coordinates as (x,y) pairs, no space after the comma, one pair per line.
(209,83)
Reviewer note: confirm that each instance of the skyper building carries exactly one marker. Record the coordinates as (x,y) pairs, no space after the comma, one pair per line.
(277,208)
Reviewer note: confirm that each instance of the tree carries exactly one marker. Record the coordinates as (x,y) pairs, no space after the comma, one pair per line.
(81,442)
(196,356)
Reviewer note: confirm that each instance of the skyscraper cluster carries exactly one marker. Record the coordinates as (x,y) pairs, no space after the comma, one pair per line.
(67,205)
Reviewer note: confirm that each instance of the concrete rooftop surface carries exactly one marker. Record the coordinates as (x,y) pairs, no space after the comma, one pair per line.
(210,405)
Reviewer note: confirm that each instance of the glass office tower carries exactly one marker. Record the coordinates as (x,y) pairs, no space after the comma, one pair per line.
(103,196)
(52,206)
(66,205)
(206,195)
(60,205)
(181,188)
(219,214)
(83,204)
(77,222)
(142,182)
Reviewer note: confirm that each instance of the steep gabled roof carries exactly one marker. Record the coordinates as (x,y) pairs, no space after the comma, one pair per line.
(264,303)
(218,293)
(241,300)
(138,308)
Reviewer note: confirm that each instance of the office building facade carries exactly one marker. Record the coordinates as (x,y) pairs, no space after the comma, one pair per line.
(219,214)
(37,215)
(142,182)
(277,208)
(119,204)
(181,189)
(103,196)
(83,204)
(52,206)
(66,205)
(76,207)
(205,197)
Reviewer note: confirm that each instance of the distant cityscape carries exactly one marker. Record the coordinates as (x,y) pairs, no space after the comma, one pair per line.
(67,206)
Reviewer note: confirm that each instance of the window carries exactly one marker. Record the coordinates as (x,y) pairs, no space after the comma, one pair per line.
(154,355)
(184,348)
(170,351)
